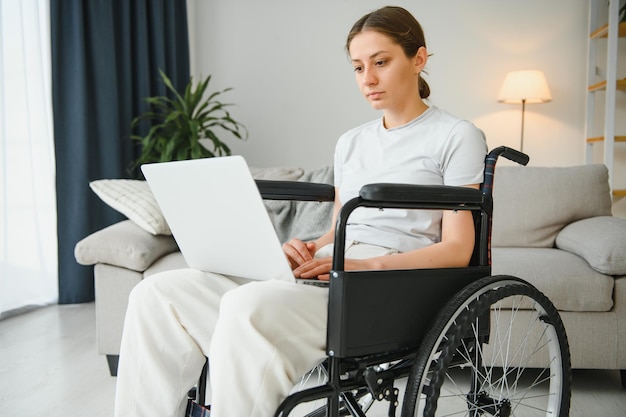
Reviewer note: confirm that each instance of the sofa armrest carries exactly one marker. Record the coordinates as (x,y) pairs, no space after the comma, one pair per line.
(123,244)
(601,241)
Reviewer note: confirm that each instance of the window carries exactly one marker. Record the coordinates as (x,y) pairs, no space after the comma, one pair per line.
(28,242)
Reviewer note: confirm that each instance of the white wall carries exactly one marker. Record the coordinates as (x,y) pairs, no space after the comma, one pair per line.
(296,94)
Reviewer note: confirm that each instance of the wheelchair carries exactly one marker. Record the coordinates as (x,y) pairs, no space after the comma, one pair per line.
(460,341)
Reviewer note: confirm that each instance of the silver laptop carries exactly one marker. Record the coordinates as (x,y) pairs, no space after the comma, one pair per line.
(218,218)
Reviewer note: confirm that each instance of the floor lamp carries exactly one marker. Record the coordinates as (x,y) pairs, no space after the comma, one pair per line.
(525,87)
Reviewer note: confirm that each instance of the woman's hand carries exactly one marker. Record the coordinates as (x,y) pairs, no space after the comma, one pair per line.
(320,267)
(299,252)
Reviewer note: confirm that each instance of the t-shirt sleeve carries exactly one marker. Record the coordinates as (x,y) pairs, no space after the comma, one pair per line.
(463,156)
(338,162)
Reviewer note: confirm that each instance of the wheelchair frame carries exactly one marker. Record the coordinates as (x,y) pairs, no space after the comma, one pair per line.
(419,340)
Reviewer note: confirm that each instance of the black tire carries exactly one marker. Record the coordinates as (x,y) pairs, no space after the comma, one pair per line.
(523,370)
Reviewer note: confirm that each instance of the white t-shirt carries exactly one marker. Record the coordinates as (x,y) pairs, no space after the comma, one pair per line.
(435,148)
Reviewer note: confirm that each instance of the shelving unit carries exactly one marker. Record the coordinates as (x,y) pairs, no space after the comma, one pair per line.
(620,84)
(610,30)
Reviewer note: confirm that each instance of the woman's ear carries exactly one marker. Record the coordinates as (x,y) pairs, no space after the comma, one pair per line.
(421,57)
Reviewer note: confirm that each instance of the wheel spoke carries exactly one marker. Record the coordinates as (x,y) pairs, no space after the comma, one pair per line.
(523,367)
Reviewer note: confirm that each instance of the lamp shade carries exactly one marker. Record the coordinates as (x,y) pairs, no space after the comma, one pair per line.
(529,86)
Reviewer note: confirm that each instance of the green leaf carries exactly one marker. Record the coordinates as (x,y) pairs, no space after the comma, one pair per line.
(179,122)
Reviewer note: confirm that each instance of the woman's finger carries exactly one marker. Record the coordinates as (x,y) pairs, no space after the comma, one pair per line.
(297,252)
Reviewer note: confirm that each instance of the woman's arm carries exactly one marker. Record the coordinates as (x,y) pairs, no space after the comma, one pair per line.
(329,236)
(454,250)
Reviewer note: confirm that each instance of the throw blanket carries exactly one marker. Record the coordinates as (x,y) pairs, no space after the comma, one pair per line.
(303,219)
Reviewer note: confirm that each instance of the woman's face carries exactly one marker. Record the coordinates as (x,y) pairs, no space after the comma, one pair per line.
(385,75)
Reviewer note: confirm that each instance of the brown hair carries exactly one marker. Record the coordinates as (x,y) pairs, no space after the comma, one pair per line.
(398,25)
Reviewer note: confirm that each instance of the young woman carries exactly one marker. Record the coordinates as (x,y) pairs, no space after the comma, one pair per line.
(260,337)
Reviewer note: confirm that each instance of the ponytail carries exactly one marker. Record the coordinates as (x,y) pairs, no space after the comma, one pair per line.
(424,88)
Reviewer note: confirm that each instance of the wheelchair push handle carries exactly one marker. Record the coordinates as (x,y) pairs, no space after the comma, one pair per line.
(490,164)
(510,154)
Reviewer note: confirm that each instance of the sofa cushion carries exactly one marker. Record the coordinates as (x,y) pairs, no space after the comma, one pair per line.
(303,219)
(601,241)
(123,244)
(134,199)
(532,204)
(566,279)
(171,261)
(277,173)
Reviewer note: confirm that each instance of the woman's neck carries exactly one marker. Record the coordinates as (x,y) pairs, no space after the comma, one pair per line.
(392,119)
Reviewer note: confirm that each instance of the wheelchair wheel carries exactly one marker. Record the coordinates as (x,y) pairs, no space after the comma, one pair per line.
(516,363)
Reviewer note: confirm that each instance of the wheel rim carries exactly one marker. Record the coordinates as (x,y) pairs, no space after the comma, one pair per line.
(510,375)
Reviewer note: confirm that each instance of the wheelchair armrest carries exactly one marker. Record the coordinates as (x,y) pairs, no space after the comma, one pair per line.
(418,194)
(295,190)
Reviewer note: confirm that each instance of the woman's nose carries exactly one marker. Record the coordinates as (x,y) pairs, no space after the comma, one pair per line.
(369,77)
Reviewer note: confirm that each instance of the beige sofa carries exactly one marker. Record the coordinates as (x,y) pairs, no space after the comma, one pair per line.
(551,226)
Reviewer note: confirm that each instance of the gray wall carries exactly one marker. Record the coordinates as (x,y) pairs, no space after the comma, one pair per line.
(295,89)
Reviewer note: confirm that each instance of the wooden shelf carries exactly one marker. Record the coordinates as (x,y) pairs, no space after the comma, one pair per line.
(602,32)
(603,39)
(601,139)
(621,85)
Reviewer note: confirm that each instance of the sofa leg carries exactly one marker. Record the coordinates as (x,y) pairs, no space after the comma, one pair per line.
(622,373)
(113,360)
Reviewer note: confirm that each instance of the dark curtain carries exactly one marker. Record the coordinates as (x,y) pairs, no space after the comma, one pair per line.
(106,56)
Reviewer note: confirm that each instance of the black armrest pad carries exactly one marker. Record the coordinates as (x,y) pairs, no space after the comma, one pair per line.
(409,193)
(295,190)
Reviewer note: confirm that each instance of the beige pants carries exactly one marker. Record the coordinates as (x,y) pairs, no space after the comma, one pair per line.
(260,338)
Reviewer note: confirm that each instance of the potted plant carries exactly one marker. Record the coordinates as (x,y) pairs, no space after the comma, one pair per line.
(185,126)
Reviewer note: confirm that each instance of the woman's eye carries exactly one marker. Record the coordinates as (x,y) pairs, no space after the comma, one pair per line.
(380,63)
(358,69)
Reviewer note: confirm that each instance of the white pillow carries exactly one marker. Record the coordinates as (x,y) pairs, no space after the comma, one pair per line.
(134,199)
